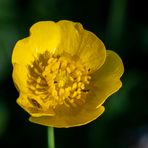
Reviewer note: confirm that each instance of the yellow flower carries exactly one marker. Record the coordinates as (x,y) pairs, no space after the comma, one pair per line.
(64,74)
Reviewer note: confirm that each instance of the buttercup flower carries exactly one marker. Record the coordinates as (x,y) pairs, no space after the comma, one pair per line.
(64,74)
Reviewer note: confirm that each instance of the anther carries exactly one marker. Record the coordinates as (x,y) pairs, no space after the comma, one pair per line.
(57,81)
(61,91)
(74,86)
(68,70)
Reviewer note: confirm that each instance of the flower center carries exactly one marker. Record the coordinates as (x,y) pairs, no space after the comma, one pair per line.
(57,81)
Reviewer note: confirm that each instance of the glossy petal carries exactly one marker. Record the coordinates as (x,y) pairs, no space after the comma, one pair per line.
(45,36)
(91,51)
(80,42)
(106,80)
(20,77)
(22,53)
(28,107)
(70,38)
(67,118)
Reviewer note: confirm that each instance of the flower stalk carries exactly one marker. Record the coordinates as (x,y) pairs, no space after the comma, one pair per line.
(51,141)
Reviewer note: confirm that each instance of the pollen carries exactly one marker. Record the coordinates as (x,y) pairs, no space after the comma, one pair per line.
(56,81)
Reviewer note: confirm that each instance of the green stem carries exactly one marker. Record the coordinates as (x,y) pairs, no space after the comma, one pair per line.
(51,143)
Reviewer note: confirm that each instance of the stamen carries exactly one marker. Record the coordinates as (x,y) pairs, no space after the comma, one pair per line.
(57,81)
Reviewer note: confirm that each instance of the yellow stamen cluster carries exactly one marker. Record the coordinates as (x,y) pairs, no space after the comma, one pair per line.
(57,81)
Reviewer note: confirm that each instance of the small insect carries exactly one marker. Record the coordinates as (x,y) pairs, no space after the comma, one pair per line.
(35,103)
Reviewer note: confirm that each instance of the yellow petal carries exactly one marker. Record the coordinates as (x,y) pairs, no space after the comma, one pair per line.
(32,110)
(45,36)
(22,54)
(106,80)
(68,118)
(70,37)
(92,51)
(20,77)
(78,41)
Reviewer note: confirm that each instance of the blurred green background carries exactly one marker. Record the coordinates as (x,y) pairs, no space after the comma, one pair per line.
(122,25)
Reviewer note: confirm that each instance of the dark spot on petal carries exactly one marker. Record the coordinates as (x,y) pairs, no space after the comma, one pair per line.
(85,90)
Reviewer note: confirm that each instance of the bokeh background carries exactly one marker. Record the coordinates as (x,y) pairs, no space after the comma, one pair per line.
(122,25)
